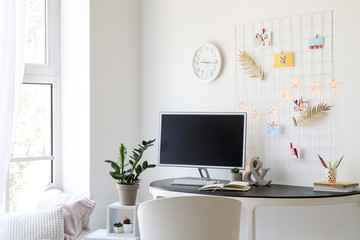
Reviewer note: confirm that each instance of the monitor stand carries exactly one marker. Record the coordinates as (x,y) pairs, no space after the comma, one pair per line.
(204,170)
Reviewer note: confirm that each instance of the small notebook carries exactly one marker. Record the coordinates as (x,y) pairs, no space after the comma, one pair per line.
(232,186)
(336,185)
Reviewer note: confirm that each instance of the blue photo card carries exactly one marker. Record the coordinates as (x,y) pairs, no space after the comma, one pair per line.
(273,129)
(316,42)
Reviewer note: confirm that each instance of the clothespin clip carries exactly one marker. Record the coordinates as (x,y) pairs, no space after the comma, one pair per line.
(295,123)
(282,52)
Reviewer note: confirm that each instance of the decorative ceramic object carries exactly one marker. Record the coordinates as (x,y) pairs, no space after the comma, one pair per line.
(330,175)
(255,167)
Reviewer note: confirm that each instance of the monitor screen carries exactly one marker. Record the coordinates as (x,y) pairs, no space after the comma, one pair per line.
(214,140)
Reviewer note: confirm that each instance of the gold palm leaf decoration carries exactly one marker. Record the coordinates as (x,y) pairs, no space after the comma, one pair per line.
(250,66)
(312,114)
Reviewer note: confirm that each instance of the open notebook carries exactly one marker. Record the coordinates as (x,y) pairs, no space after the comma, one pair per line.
(232,186)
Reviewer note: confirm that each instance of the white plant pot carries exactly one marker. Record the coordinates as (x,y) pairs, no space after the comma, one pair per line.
(128,228)
(118,229)
(235,176)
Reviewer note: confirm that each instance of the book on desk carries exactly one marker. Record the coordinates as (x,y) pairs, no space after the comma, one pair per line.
(336,187)
(232,186)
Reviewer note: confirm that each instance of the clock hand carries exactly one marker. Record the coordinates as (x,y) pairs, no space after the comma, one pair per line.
(208,62)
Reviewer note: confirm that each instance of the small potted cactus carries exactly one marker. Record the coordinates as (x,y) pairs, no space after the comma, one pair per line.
(118,227)
(128,226)
(235,175)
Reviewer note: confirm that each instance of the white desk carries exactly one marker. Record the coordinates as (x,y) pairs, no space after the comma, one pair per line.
(273,195)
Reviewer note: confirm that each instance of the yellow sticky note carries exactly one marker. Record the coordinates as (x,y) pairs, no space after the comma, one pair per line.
(282,60)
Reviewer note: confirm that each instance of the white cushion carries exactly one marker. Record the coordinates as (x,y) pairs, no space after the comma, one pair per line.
(44,224)
(77,209)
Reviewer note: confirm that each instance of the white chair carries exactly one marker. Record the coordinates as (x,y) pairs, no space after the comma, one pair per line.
(190,218)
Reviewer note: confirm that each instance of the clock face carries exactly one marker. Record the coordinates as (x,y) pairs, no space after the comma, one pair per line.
(207,62)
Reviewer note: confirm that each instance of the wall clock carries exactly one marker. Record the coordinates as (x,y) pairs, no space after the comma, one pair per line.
(207,62)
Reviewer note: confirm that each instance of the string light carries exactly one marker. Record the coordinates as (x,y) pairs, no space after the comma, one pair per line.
(314,86)
(242,107)
(254,114)
(285,94)
(295,83)
(247,168)
(333,84)
(271,110)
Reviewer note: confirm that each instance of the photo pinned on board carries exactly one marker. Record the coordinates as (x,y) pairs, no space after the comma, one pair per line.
(282,60)
(273,129)
(300,105)
(316,42)
(262,39)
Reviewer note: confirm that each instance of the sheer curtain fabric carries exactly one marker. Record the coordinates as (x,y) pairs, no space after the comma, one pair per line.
(12,38)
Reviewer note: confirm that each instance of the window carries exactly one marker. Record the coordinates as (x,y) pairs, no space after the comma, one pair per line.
(35,45)
(35,154)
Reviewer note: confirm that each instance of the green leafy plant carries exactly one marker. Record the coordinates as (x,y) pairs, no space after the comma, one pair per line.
(131,175)
(235,170)
(119,224)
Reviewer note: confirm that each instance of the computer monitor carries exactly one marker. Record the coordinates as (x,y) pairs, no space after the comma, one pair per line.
(202,140)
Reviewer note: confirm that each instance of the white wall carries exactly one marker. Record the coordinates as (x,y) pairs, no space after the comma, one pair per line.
(115,93)
(171,31)
(75,87)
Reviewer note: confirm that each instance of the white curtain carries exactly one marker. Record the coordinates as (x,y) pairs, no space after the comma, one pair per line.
(12,38)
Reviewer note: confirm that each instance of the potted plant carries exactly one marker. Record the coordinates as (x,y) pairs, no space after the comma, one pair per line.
(118,227)
(235,175)
(128,179)
(127,226)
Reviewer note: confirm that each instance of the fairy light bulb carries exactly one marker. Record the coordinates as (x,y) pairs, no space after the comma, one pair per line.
(242,107)
(271,110)
(285,94)
(314,86)
(333,84)
(254,114)
(295,83)
(247,168)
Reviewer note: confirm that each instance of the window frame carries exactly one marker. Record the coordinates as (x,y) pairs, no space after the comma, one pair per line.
(48,73)
(52,66)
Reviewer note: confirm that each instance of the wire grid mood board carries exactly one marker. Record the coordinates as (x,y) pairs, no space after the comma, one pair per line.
(278,90)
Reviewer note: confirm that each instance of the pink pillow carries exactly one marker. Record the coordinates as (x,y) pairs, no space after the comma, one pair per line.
(77,210)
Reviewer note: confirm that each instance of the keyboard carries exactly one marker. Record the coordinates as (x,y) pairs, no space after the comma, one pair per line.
(193,182)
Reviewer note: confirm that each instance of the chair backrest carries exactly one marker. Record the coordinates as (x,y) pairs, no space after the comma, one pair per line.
(190,218)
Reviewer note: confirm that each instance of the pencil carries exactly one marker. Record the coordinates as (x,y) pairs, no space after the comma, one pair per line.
(335,163)
(330,164)
(340,161)
(322,161)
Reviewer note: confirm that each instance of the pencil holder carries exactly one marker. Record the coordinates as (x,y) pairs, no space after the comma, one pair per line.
(330,175)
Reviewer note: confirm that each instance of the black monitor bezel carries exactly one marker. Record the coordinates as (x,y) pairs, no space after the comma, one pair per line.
(203,113)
